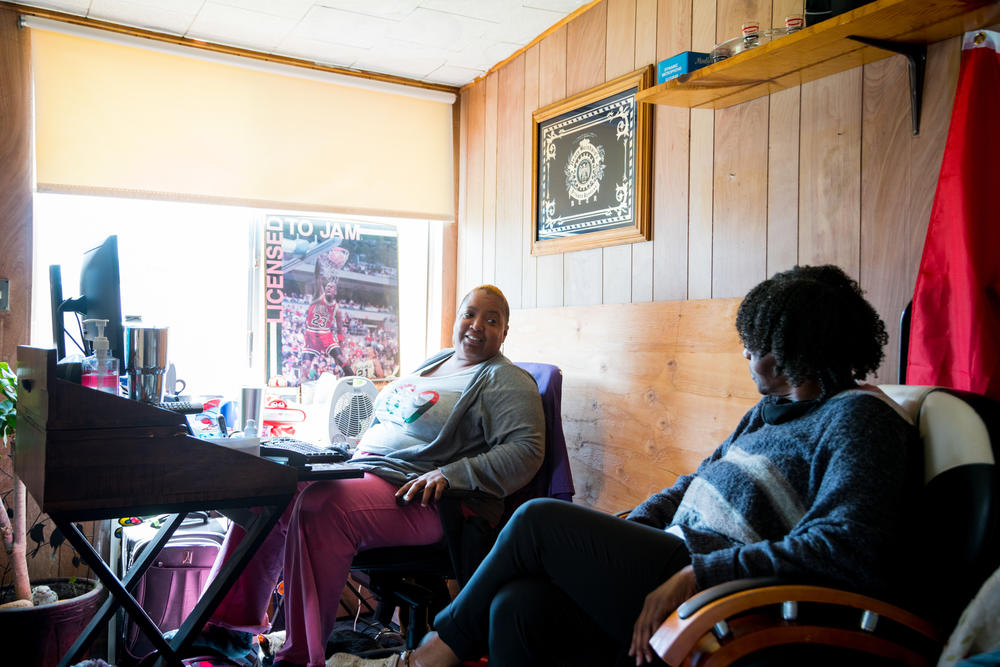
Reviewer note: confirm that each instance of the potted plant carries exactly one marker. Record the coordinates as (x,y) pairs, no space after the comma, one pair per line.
(15,537)
(47,619)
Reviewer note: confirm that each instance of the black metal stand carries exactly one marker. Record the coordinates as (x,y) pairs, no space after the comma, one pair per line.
(75,653)
(121,590)
(916,54)
(119,594)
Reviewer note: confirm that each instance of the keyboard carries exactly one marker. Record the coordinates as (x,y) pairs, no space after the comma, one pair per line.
(300,453)
(180,407)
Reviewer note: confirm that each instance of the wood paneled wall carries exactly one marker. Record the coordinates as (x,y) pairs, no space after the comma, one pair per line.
(15,182)
(825,173)
(649,389)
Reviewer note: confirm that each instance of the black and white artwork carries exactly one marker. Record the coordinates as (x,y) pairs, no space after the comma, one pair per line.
(591,168)
(586,163)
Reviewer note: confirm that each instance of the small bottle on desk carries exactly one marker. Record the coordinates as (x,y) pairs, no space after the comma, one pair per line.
(249,430)
(99,370)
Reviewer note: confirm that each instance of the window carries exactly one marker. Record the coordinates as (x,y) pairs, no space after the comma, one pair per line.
(191,267)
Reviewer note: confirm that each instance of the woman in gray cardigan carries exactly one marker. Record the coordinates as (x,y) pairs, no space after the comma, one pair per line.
(467,420)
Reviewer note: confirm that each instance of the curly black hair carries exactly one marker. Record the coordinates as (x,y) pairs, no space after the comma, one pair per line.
(817,323)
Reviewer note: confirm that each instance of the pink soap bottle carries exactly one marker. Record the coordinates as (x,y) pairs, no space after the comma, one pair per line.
(100,370)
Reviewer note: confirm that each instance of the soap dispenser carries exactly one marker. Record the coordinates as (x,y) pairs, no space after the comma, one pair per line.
(99,370)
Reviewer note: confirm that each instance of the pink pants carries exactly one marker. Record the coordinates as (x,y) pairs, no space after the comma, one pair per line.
(314,542)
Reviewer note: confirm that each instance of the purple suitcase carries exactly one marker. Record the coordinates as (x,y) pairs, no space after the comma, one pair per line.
(172,585)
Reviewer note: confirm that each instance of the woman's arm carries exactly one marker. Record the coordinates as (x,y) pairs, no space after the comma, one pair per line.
(513,425)
(658,510)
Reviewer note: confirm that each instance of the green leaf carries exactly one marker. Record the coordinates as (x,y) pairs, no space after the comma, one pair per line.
(8,399)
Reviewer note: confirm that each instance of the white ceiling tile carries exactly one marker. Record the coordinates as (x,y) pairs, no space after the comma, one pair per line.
(153,16)
(484,55)
(428,27)
(297,45)
(78,7)
(239,27)
(525,24)
(497,51)
(340,27)
(396,49)
(454,75)
(494,11)
(564,7)
(410,67)
(182,6)
(396,54)
(388,9)
(289,9)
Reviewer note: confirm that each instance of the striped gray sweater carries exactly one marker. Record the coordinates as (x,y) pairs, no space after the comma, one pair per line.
(819,496)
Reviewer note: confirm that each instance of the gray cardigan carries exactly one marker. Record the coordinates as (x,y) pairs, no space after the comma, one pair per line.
(492,443)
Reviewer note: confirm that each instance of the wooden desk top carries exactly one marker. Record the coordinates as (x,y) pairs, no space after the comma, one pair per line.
(91,455)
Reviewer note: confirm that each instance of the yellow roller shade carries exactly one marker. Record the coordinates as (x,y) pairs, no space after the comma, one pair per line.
(120,118)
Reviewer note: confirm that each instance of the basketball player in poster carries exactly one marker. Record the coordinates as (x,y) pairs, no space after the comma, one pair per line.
(325,321)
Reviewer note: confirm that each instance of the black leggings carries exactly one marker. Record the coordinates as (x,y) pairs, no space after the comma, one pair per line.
(563,585)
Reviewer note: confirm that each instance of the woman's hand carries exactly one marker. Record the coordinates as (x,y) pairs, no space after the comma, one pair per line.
(430,486)
(659,604)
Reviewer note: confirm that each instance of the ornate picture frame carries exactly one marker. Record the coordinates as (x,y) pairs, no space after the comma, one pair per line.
(591,175)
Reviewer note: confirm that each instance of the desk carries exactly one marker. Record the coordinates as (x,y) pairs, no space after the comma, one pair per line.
(87,455)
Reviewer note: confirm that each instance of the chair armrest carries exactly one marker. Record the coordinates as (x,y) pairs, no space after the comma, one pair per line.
(697,601)
(714,608)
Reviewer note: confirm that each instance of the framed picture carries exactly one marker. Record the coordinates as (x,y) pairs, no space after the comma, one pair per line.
(591,156)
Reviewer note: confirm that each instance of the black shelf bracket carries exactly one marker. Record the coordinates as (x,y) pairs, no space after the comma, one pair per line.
(916,54)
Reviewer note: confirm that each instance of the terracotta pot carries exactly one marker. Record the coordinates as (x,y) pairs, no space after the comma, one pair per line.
(39,636)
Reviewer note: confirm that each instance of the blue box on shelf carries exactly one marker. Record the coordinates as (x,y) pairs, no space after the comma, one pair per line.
(682,63)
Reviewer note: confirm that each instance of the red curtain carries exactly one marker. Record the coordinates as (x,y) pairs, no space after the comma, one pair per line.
(955,327)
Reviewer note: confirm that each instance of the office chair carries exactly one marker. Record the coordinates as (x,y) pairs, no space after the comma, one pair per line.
(415,578)
(959,513)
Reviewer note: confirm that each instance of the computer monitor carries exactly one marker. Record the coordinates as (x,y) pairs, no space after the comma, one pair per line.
(55,305)
(100,298)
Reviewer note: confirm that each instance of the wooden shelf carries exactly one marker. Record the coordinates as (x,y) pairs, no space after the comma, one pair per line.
(821,50)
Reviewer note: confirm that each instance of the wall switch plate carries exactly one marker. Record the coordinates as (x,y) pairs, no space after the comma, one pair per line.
(4,295)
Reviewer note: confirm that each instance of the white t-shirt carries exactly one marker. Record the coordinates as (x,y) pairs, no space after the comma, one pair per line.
(412,410)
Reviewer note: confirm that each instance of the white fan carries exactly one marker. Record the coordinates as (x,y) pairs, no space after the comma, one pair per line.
(351,410)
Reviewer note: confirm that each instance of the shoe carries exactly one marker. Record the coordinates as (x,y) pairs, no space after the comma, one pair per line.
(238,647)
(348,660)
